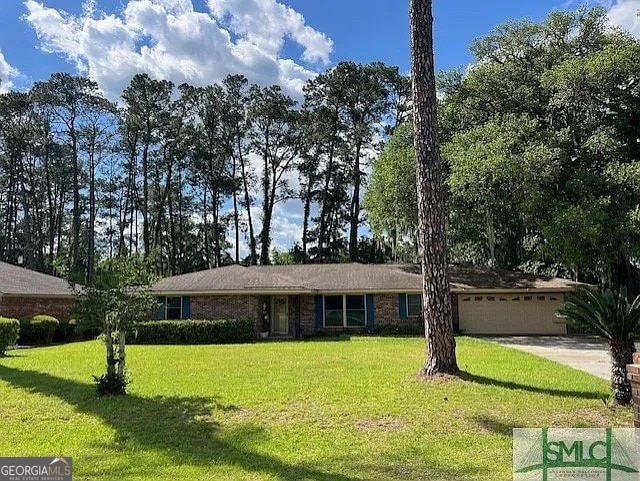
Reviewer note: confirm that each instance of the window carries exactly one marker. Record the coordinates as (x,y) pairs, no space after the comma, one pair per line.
(333,311)
(345,311)
(173,308)
(414,305)
(356,312)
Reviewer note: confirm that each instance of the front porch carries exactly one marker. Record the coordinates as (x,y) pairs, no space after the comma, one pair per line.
(281,317)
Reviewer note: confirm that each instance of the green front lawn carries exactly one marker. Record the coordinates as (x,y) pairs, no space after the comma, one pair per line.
(322,411)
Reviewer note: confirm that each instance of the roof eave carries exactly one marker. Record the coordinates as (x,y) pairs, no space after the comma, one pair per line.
(229,292)
(10,295)
(507,290)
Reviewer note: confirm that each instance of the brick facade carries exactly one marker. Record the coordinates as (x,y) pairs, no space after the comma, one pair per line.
(228,307)
(386,308)
(307,315)
(250,307)
(30,306)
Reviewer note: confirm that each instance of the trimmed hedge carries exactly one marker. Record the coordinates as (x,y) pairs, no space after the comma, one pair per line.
(86,330)
(38,329)
(225,331)
(9,329)
(399,329)
(66,331)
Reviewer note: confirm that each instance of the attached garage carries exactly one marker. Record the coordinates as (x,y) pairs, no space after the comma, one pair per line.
(510,313)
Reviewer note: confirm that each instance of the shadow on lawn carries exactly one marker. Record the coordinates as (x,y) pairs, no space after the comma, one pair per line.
(493,424)
(182,427)
(467,376)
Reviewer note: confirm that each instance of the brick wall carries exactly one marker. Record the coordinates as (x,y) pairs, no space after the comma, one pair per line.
(228,307)
(30,306)
(388,312)
(250,307)
(307,315)
(386,306)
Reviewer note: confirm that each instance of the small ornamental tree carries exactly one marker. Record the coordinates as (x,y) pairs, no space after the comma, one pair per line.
(120,296)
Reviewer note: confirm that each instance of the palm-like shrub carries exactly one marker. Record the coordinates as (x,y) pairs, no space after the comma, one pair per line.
(610,315)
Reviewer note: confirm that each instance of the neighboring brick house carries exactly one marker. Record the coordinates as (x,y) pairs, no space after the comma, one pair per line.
(301,300)
(24,292)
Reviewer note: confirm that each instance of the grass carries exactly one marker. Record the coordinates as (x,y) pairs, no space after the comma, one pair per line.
(323,411)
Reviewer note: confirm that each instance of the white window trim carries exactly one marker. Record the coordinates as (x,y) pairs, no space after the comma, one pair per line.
(344,311)
(166,306)
(406,299)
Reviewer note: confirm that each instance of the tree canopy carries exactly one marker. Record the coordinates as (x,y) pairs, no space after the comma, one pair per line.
(541,140)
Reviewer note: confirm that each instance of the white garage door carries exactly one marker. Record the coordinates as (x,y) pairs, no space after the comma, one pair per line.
(510,313)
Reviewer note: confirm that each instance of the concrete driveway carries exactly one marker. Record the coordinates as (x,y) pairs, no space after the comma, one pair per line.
(589,354)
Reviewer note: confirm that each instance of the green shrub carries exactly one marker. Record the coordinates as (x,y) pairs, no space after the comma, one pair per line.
(38,329)
(110,385)
(87,330)
(399,329)
(9,329)
(66,331)
(231,331)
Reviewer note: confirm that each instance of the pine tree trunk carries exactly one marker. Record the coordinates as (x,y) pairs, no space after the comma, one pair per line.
(441,347)
(621,355)
(355,207)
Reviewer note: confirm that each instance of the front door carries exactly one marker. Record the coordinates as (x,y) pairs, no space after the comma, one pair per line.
(280,315)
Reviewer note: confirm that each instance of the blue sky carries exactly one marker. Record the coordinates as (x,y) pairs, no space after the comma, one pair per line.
(270,41)
(360,30)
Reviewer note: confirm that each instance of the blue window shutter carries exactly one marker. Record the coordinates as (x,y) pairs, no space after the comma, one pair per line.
(402,306)
(160,311)
(186,308)
(371,311)
(319,312)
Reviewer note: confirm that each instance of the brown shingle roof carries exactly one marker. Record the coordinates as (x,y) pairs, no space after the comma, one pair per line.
(349,278)
(229,278)
(18,281)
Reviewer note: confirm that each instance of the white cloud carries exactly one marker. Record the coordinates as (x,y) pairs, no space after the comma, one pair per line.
(7,74)
(625,14)
(266,23)
(285,231)
(169,39)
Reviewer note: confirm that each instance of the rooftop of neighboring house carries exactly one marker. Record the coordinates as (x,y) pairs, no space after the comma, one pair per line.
(16,281)
(311,278)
